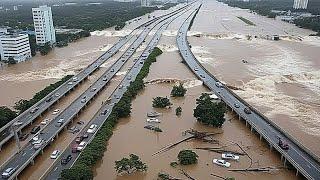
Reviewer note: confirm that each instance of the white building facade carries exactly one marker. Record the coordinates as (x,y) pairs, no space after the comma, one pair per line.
(16,46)
(300,4)
(43,25)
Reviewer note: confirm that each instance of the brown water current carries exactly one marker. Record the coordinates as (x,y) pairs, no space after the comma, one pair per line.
(130,137)
(280,78)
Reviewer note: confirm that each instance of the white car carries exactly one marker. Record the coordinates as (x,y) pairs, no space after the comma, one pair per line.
(8,172)
(35,138)
(230,156)
(70,83)
(55,154)
(38,141)
(45,121)
(153,120)
(92,128)
(38,144)
(56,111)
(81,146)
(221,162)
(74,79)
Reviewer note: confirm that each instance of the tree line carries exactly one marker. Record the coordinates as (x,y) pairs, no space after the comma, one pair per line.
(7,114)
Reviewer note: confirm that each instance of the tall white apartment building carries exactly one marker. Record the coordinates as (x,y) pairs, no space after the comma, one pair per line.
(43,25)
(300,4)
(16,46)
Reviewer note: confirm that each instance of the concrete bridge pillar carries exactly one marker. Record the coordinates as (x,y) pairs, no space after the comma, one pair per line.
(271,147)
(281,157)
(57,135)
(297,172)
(41,151)
(260,137)
(251,129)
(32,162)
(285,162)
(246,123)
(239,117)
(0,147)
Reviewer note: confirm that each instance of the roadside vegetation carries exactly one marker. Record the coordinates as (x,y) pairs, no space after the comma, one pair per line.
(7,115)
(209,112)
(24,104)
(178,91)
(64,39)
(130,165)
(82,169)
(247,21)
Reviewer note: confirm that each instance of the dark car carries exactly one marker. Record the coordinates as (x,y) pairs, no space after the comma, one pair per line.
(49,99)
(65,160)
(23,137)
(236,105)
(79,139)
(35,130)
(247,110)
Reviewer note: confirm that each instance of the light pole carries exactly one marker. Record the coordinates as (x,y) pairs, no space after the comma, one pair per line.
(13,127)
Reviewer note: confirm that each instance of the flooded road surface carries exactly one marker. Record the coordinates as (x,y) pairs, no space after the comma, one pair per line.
(280,78)
(129,135)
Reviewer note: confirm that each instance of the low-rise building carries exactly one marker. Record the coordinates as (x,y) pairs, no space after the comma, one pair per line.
(16,46)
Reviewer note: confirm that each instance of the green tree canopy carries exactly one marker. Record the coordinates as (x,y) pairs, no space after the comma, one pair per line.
(187,157)
(161,102)
(178,91)
(6,115)
(130,165)
(209,112)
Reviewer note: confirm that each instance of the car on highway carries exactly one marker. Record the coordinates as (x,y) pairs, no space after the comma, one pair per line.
(49,99)
(35,129)
(84,99)
(23,137)
(93,89)
(129,77)
(81,146)
(221,162)
(36,137)
(202,76)
(195,69)
(236,105)
(38,144)
(70,83)
(34,110)
(105,78)
(112,70)
(8,172)
(55,154)
(60,122)
(104,112)
(56,111)
(17,123)
(247,110)
(92,128)
(67,159)
(79,139)
(74,79)
(45,121)
(219,84)
(121,86)
(57,94)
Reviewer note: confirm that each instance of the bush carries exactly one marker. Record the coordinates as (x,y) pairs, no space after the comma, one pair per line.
(178,91)
(187,157)
(178,111)
(161,102)
(209,112)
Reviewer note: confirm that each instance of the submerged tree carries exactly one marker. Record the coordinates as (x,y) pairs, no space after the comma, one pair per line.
(178,91)
(187,157)
(209,112)
(161,102)
(178,111)
(130,165)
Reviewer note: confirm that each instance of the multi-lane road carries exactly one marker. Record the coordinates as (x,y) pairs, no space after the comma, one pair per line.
(47,135)
(100,117)
(304,161)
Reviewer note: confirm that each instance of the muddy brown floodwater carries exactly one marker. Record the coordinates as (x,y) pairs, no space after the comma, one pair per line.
(281,78)
(130,137)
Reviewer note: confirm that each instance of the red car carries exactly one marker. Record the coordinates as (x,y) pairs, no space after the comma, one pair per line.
(74,148)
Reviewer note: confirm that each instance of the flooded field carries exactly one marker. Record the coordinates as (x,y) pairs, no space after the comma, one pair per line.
(284,74)
(280,78)
(144,143)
